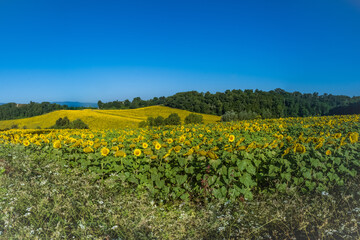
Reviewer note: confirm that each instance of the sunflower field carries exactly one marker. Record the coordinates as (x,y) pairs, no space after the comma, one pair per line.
(224,161)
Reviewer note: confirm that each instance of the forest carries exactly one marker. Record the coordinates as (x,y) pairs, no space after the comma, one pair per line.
(245,104)
(271,104)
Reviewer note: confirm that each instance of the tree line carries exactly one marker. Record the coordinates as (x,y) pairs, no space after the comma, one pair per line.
(234,104)
(245,104)
(172,119)
(15,111)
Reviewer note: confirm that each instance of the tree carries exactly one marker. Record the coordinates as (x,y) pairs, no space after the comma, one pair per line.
(193,118)
(173,119)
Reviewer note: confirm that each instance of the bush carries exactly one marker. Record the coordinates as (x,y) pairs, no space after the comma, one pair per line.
(243,115)
(193,119)
(229,116)
(173,119)
(159,121)
(64,123)
(79,124)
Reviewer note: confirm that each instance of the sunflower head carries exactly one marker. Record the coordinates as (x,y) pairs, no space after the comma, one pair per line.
(137,152)
(120,154)
(328,152)
(88,150)
(145,145)
(299,148)
(57,144)
(105,151)
(231,138)
(26,143)
(157,146)
(354,137)
(177,149)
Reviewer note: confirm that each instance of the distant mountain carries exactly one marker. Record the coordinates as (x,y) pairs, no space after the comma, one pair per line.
(77,104)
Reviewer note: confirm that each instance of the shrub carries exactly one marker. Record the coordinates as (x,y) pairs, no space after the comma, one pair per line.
(64,123)
(193,119)
(173,119)
(79,124)
(229,116)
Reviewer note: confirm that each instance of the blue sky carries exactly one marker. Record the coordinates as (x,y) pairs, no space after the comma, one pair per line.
(113,50)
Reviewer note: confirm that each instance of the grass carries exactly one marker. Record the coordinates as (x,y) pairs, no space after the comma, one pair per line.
(103,119)
(41,200)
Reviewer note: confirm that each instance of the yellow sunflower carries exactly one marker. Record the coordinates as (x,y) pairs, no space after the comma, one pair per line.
(26,143)
(231,138)
(105,151)
(88,150)
(137,152)
(157,146)
(57,144)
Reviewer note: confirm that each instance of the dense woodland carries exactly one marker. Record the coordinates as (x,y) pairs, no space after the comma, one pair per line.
(14,111)
(275,103)
(244,104)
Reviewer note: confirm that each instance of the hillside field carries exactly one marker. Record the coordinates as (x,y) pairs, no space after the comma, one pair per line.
(103,119)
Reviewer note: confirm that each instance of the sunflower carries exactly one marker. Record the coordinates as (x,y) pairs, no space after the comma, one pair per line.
(337,135)
(57,144)
(354,137)
(26,143)
(169,140)
(231,138)
(115,148)
(137,152)
(145,145)
(157,146)
(328,152)
(105,151)
(177,149)
(182,139)
(120,154)
(299,148)
(88,150)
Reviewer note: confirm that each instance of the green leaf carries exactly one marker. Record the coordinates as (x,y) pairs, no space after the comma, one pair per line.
(247,180)
(160,183)
(182,161)
(251,169)
(215,163)
(180,179)
(241,164)
(211,180)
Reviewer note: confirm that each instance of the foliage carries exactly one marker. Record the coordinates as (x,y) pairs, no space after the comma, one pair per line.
(223,161)
(42,200)
(14,111)
(353,108)
(193,118)
(64,123)
(172,119)
(243,115)
(275,103)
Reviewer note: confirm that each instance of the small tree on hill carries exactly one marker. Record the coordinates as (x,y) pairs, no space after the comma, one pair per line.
(173,119)
(193,118)
(79,124)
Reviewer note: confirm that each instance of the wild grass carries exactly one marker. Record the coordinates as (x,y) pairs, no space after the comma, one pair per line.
(103,119)
(41,200)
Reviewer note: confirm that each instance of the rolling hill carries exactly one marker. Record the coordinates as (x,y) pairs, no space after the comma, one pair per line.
(103,119)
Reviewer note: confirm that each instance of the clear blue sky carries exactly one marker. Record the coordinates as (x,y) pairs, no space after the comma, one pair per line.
(69,50)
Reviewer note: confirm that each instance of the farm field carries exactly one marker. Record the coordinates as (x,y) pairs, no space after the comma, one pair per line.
(240,167)
(103,119)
